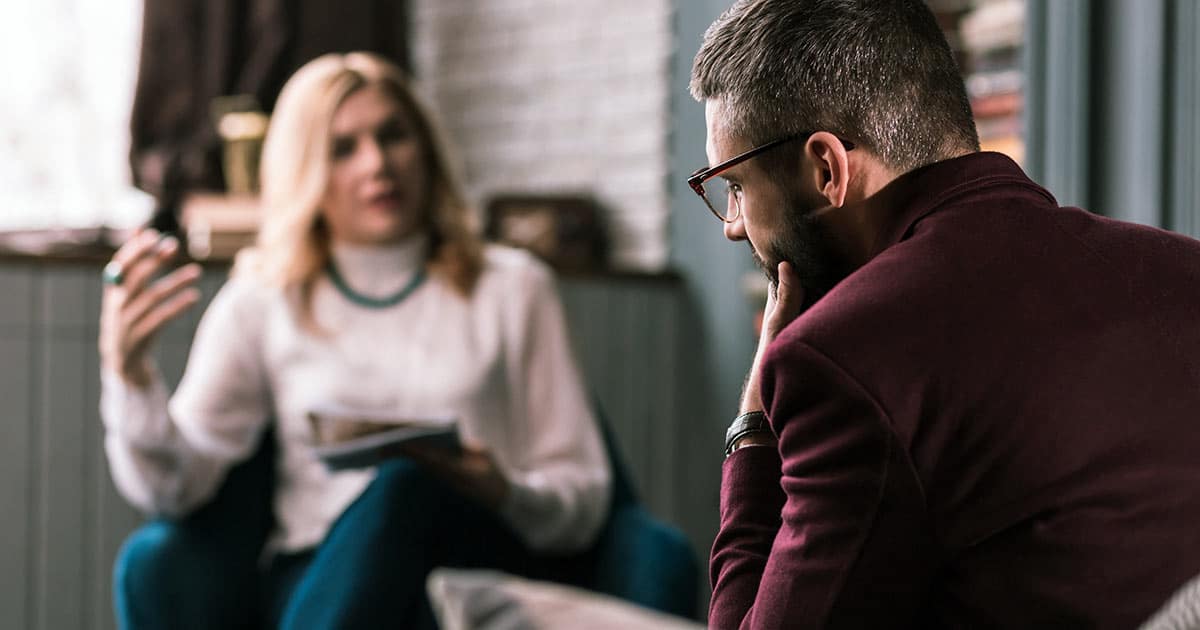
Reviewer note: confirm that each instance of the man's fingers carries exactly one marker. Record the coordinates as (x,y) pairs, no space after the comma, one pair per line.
(785,302)
(789,294)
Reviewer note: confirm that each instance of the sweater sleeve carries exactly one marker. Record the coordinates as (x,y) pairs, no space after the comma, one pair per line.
(850,546)
(169,458)
(560,486)
(751,501)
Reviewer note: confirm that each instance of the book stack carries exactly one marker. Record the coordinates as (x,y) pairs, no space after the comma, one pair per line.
(949,13)
(990,35)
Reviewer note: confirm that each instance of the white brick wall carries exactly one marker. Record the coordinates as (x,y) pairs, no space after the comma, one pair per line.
(558,96)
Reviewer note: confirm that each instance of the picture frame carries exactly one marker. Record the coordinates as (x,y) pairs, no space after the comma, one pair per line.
(566,231)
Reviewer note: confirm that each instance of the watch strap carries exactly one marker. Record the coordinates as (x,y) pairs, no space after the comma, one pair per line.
(743,425)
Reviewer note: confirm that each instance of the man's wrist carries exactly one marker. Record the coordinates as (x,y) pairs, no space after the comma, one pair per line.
(747,429)
(751,390)
(762,438)
(751,397)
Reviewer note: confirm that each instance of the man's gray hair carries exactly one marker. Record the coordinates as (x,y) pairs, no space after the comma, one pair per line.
(877,72)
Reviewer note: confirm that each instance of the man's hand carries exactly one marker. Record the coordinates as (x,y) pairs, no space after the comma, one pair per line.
(473,472)
(785,302)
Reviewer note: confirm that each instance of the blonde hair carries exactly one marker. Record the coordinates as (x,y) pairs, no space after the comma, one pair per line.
(293,245)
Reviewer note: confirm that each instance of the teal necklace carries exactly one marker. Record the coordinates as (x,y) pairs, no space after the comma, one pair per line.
(373,302)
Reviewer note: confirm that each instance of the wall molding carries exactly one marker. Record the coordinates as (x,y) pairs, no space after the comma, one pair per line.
(1112,101)
(1058,69)
(1183,133)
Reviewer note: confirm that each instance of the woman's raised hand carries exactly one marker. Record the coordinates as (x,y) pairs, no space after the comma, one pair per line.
(137,303)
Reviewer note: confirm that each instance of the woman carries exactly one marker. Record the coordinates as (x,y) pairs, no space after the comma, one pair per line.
(367,288)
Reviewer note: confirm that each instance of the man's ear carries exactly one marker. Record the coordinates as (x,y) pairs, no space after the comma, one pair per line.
(829,167)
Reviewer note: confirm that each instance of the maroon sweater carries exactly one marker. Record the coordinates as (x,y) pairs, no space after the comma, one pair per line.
(993,423)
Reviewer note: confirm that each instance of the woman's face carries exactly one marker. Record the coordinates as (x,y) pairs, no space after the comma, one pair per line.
(378,179)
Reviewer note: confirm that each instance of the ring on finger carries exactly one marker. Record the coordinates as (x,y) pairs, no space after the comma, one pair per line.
(113,274)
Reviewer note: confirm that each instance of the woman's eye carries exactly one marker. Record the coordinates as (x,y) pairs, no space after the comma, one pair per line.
(734,189)
(392,134)
(342,147)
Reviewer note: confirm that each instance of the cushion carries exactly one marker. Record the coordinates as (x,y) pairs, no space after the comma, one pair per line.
(1181,612)
(492,600)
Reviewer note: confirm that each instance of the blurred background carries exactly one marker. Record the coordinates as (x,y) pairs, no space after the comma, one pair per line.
(576,133)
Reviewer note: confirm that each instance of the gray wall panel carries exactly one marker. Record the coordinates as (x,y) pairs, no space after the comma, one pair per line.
(1112,103)
(625,335)
(59,591)
(98,556)
(66,299)
(16,297)
(1128,138)
(1184,133)
(1057,66)
(16,355)
(637,334)
(664,425)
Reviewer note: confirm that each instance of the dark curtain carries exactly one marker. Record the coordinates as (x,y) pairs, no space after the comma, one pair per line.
(195,50)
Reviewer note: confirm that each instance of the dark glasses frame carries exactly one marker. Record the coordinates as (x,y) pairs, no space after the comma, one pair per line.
(696,180)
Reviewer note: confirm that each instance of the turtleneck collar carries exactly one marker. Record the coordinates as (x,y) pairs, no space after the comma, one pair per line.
(380,269)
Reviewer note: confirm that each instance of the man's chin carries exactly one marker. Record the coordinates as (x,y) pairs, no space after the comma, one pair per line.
(769,269)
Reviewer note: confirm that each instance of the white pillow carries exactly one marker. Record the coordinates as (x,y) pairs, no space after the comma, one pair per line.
(1181,612)
(491,600)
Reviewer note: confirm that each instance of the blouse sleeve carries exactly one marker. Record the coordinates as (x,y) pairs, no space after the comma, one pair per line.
(560,491)
(169,458)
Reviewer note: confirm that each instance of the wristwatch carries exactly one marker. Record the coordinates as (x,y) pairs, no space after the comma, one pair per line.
(743,425)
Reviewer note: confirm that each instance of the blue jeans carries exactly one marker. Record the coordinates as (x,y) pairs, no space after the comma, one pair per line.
(369,571)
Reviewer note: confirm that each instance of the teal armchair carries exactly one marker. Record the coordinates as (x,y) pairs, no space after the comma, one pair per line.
(636,557)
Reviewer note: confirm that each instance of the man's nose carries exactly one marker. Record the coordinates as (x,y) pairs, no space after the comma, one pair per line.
(735,230)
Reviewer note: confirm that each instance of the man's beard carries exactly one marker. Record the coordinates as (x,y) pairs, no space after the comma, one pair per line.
(805,244)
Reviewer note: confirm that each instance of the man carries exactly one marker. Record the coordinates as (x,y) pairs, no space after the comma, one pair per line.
(970,407)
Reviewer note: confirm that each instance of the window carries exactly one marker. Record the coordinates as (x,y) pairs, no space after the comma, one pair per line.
(70,68)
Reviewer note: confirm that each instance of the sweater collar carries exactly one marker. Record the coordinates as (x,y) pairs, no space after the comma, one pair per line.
(380,269)
(925,190)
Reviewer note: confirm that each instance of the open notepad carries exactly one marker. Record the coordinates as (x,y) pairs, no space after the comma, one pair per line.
(351,439)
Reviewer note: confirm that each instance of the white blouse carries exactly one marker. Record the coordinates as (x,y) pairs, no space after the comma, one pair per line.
(499,360)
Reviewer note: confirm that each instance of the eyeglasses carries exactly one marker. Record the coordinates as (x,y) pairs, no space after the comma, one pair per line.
(729,205)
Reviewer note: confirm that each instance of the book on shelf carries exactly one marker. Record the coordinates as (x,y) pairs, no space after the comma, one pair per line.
(999,126)
(991,33)
(1011,145)
(997,105)
(217,226)
(986,83)
(992,24)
